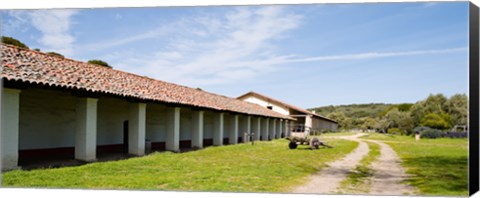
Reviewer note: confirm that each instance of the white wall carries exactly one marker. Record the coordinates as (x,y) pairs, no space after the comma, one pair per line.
(275,107)
(185,124)
(226,125)
(112,112)
(47,119)
(320,124)
(208,125)
(308,121)
(156,122)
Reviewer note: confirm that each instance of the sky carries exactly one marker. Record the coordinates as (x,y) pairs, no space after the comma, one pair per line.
(305,55)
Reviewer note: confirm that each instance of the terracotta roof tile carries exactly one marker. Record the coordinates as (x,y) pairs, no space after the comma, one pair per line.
(34,67)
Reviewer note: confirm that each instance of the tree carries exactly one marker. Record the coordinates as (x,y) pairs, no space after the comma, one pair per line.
(344,122)
(382,125)
(404,107)
(369,123)
(99,62)
(12,41)
(417,111)
(436,121)
(436,103)
(406,122)
(457,108)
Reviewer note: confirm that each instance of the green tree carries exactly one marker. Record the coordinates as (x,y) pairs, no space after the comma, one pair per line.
(382,125)
(344,122)
(436,103)
(457,108)
(436,121)
(12,41)
(99,62)
(369,123)
(404,107)
(405,123)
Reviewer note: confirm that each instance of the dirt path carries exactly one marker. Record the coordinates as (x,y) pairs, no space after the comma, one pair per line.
(388,174)
(387,178)
(328,179)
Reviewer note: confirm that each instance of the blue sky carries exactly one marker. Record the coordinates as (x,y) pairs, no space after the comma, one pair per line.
(305,55)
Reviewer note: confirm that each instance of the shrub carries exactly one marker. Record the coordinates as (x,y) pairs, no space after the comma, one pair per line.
(434,133)
(55,54)
(12,41)
(420,129)
(99,62)
(453,134)
(396,131)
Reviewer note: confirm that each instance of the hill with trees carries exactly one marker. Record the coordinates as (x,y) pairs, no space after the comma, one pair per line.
(435,112)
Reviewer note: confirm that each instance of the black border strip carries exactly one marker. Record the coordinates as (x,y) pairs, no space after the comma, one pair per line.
(474,100)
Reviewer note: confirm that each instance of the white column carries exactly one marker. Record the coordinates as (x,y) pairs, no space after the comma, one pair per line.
(86,133)
(280,128)
(197,129)
(233,130)
(256,128)
(136,128)
(286,131)
(9,128)
(173,129)
(218,129)
(265,128)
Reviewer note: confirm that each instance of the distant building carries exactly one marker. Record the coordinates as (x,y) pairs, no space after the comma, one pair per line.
(306,121)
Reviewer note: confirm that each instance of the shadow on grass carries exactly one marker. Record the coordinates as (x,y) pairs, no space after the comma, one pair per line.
(439,174)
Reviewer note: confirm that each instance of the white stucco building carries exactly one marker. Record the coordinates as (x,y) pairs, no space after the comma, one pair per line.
(306,121)
(58,108)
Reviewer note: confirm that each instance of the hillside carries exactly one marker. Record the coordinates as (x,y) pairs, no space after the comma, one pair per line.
(372,110)
(361,116)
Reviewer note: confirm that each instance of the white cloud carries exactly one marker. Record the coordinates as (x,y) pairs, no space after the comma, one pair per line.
(150,34)
(234,40)
(53,25)
(371,55)
(238,45)
(55,28)
(16,24)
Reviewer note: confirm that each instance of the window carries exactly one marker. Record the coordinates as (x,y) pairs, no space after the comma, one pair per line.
(270,107)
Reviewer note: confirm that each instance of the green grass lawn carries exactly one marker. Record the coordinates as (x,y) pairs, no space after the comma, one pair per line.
(436,166)
(358,181)
(264,167)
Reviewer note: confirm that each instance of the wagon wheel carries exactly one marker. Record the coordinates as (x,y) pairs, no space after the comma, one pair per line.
(292,145)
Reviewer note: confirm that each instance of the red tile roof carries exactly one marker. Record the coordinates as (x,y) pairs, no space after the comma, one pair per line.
(255,94)
(29,66)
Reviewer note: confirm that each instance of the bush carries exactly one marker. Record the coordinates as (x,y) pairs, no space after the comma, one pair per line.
(420,129)
(396,131)
(453,134)
(434,133)
(12,41)
(55,54)
(99,62)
